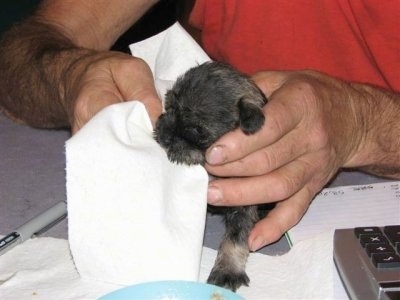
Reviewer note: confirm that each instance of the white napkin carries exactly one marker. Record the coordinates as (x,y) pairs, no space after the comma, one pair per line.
(42,269)
(133,215)
(169,54)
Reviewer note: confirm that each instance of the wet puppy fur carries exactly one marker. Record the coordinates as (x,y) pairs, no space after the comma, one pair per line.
(206,102)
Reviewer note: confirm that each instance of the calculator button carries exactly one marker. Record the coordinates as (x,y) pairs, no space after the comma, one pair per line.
(390,289)
(383,260)
(379,248)
(393,234)
(366,230)
(366,239)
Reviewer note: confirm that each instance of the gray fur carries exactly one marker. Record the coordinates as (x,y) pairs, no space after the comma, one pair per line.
(205,103)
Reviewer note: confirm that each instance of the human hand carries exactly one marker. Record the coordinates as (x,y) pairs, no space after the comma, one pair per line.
(106,78)
(312,129)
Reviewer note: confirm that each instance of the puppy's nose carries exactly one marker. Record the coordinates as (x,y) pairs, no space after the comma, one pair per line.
(164,131)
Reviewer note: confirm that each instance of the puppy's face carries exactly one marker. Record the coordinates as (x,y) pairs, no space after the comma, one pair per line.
(205,103)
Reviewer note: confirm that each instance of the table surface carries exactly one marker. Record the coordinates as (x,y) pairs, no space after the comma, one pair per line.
(32,179)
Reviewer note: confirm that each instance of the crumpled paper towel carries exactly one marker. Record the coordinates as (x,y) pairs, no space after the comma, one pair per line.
(305,272)
(133,216)
(42,269)
(169,54)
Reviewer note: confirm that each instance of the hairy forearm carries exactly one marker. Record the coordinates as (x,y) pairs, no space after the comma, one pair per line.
(93,24)
(36,59)
(379,151)
(43,58)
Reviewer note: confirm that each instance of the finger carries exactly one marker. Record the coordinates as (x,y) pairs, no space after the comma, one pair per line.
(282,116)
(266,159)
(90,101)
(122,78)
(275,186)
(134,80)
(280,219)
(270,81)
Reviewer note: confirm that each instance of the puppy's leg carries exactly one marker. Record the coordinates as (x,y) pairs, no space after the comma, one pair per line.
(229,268)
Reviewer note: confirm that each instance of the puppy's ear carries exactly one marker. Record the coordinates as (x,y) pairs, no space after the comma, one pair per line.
(251,116)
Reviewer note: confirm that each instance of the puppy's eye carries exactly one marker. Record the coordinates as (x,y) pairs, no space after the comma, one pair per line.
(196,136)
(189,133)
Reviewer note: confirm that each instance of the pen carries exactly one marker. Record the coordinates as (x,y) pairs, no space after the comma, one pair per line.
(34,227)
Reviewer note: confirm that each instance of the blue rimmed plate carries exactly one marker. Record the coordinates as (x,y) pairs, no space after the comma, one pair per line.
(172,290)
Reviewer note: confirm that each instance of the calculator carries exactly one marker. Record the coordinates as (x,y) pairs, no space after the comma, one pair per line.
(368,261)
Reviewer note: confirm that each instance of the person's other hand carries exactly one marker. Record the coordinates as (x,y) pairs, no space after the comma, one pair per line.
(106,78)
(311,130)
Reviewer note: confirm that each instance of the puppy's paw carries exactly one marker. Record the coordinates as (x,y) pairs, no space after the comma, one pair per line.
(251,117)
(228,279)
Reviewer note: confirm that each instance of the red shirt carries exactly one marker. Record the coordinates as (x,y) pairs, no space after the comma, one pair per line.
(356,40)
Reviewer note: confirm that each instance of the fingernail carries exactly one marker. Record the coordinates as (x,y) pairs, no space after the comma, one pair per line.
(214,195)
(215,155)
(257,243)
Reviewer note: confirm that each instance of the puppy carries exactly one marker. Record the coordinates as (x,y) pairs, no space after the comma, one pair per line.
(205,103)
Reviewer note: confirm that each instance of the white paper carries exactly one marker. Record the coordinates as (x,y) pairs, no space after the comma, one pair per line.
(350,206)
(169,54)
(42,269)
(133,216)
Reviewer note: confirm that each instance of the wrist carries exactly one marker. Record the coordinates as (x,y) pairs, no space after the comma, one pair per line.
(379,149)
(66,69)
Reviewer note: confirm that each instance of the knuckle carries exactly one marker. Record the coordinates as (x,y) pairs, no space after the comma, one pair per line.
(234,149)
(285,186)
(81,108)
(319,137)
(292,180)
(269,160)
(236,194)
(134,63)
(299,208)
(304,86)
